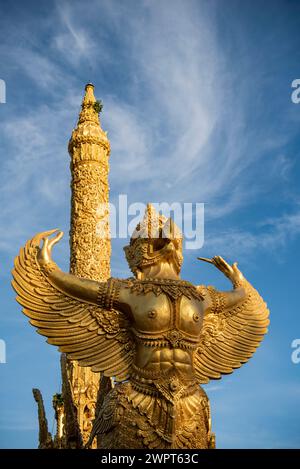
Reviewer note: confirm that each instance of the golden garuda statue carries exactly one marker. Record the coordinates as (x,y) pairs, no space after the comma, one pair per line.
(160,337)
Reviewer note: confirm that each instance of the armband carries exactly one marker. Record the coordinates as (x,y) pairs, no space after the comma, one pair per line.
(108,294)
(218,300)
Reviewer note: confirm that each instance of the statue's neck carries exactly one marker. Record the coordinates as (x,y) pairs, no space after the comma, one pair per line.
(161,270)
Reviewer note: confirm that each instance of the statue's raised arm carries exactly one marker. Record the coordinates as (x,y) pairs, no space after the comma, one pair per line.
(234,324)
(84,318)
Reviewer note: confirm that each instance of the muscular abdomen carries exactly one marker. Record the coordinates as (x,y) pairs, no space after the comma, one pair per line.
(163,359)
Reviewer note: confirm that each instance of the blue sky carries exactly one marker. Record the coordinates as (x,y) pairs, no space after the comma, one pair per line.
(197,105)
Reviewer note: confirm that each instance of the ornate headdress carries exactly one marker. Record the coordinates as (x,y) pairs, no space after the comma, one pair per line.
(155,238)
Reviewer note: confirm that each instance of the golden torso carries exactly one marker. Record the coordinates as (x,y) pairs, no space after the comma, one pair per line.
(167,331)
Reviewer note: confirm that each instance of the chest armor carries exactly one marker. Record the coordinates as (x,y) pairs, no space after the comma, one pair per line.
(166,313)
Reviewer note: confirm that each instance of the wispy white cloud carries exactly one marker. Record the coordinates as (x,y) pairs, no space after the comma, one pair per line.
(70,39)
(189,111)
(36,172)
(268,236)
(43,72)
(131,143)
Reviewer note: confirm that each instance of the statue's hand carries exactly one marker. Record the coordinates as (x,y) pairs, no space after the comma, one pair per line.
(231,271)
(44,254)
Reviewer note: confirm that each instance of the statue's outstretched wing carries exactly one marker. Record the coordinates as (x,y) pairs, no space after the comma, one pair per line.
(230,336)
(93,336)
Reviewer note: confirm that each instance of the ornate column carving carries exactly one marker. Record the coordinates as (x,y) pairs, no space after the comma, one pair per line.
(90,245)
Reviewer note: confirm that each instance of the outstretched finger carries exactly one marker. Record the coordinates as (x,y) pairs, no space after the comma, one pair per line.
(205,259)
(222,264)
(36,240)
(222,260)
(45,234)
(56,238)
(45,242)
(219,261)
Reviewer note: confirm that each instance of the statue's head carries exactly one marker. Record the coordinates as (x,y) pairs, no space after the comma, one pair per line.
(156,240)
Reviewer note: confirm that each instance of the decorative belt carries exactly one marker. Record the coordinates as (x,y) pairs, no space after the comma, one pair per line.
(173,337)
(170,385)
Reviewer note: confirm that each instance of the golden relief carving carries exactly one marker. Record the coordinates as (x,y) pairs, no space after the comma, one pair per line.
(174,289)
(89,150)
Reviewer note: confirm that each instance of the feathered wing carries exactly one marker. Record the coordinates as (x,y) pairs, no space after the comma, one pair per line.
(93,336)
(230,336)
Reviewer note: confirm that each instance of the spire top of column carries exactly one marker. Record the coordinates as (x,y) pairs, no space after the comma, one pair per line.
(89,97)
(88,129)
